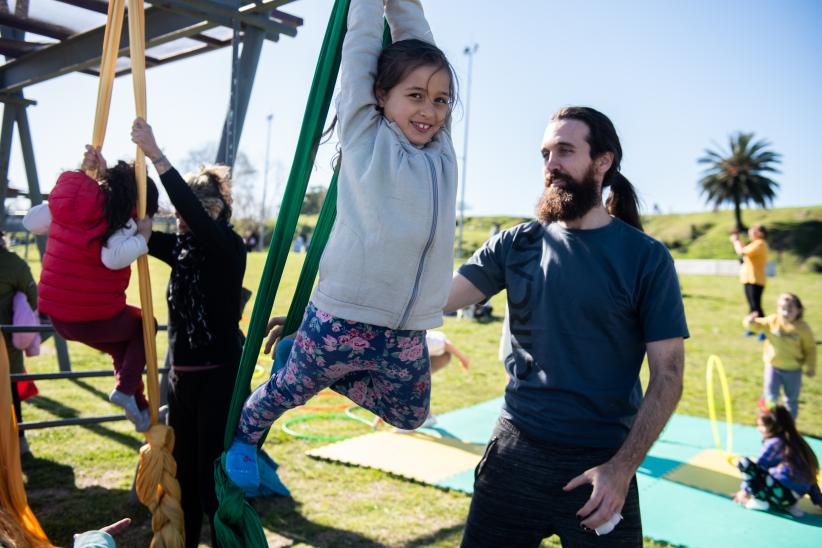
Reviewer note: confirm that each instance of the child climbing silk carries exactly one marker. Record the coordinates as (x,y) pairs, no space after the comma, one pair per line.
(92,241)
(386,270)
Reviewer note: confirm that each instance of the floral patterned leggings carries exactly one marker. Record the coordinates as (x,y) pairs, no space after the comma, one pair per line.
(386,371)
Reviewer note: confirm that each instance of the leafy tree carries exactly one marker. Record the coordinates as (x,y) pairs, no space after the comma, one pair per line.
(740,174)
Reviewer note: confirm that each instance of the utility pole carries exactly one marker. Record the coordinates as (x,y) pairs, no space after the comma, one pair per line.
(265,183)
(470,51)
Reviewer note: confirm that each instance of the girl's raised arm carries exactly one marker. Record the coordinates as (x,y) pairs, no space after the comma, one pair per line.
(361,49)
(407,20)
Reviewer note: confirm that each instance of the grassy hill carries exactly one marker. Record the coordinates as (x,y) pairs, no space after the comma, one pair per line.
(795,234)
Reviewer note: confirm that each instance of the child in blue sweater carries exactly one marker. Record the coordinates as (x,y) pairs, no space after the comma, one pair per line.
(786,469)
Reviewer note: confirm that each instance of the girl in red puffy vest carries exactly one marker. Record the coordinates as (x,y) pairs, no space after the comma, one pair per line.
(92,239)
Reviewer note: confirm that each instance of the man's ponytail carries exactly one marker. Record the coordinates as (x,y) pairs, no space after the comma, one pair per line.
(623,202)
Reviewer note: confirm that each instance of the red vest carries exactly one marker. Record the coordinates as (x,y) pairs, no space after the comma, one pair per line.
(74,285)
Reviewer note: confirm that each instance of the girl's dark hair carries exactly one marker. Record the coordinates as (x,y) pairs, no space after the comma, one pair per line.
(120,192)
(401,58)
(779,423)
(622,201)
(398,60)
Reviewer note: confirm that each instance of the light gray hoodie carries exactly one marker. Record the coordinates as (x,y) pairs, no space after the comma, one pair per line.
(389,259)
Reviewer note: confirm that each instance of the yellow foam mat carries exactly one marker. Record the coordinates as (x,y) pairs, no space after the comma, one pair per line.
(709,470)
(415,456)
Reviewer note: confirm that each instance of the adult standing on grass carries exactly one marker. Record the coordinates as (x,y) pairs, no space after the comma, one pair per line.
(754,257)
(207,259)
(15,276)
(589,294)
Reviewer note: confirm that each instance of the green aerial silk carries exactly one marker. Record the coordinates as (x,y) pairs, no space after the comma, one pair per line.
(236,523)
(325,222)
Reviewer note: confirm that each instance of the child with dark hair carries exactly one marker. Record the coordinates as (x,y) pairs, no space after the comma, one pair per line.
(789,347)
(786,469)
(386,270)
(93,237)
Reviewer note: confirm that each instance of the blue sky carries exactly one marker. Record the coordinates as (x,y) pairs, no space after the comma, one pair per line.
(675,77)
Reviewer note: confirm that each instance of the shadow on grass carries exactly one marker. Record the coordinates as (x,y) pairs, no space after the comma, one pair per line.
(453,533)
(283,516)
(91,389)
(64,412)
(703,297)
(64,509)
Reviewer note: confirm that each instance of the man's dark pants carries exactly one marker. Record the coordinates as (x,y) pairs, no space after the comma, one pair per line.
(518,498)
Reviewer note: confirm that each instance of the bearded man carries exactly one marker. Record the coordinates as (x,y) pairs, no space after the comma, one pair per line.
(589,295)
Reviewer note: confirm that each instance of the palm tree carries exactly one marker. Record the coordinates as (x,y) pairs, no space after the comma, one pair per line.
(739,175)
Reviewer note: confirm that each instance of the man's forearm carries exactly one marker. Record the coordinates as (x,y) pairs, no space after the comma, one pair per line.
(664,391)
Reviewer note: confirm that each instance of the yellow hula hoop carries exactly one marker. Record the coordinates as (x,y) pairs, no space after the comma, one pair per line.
(715,364)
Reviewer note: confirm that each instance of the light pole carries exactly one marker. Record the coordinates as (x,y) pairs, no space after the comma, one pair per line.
(469,51)
(265,184)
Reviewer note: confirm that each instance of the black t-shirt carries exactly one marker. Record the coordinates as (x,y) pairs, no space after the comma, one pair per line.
(583,304)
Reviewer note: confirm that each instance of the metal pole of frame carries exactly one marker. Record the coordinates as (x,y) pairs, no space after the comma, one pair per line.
(6,136)
(27,147)
(24,131)
(265,183)
(469,51)
(244,69)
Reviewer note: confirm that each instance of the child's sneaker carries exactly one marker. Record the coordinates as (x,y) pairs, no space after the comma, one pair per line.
(756,504)
(241,465)
(145,421)
(162,416)
(761,337)
(795,510)
(429,421)
(141,420)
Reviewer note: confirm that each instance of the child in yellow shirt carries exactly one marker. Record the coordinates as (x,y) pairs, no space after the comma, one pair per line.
(790,345)
(754,258)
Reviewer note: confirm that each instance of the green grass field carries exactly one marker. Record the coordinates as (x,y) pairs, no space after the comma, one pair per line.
(79,477)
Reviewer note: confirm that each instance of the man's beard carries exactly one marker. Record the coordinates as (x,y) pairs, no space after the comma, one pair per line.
(571,202)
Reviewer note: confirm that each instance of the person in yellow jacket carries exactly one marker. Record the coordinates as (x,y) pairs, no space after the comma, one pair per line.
(789,347)
(754,257)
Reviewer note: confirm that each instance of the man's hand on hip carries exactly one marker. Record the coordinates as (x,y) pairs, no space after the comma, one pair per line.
(610,482)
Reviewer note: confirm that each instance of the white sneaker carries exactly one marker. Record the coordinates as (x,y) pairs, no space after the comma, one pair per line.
(140,419)
(795,511)
(430,421)
(145,421)
(756,504)
(163,414)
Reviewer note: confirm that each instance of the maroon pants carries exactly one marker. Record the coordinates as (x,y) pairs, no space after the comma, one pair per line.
(121,337)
